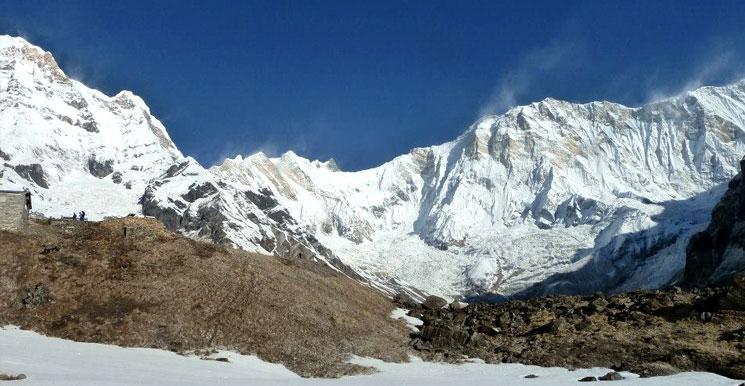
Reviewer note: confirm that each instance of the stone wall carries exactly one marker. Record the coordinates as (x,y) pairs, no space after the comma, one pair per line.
(13,213)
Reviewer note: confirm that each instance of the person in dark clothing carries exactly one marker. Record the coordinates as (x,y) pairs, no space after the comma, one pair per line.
(82,215)
(74,217)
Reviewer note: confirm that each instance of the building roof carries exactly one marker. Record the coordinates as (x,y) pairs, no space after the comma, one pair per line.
(14,191)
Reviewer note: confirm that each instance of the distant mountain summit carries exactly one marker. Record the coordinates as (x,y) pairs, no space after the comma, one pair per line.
(549,197)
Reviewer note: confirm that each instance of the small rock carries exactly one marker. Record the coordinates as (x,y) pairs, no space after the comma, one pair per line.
(222,359)
(706,316)
(433,302)
(612,376)
(588,379)
(8,377)
(531,376)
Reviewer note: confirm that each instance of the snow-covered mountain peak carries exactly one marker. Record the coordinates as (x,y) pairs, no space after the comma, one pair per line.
(70,144)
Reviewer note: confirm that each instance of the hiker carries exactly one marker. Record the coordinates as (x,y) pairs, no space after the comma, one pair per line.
(82,215)
(74,217)
(28,200)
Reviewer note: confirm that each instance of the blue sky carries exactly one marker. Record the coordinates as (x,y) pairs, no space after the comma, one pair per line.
(364,81)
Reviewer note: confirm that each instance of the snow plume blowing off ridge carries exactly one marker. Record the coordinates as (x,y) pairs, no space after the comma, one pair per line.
(544,198)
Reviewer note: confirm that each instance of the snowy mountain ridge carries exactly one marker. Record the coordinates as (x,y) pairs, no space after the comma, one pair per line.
(549,197)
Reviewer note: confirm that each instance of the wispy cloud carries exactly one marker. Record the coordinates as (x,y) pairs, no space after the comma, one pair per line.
(561,53)
(722,65)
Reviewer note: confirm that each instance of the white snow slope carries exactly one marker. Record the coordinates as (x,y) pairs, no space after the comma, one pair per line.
(58,362)
(549,197)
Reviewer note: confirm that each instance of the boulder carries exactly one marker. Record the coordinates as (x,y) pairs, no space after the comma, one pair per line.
(457,305)
(598,305)
(445,336)
(433,302)
(588,379)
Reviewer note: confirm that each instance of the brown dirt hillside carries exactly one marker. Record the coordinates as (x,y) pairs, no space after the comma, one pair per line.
(88,282)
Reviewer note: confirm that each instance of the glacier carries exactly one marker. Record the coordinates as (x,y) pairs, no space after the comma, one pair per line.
(551,197)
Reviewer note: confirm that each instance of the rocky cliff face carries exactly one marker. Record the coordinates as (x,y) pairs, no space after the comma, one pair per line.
(718,252)
(549,197)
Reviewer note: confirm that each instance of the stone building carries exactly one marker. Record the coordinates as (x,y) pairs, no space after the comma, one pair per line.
(14,208)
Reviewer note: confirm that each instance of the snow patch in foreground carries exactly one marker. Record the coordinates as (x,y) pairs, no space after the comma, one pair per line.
(412,322)
(58,362)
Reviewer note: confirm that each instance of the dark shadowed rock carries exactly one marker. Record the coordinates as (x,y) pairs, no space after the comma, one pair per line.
(199,191)
(100,169)
(531,376)
(443,336)
(263,199)
(712,256)
(151,207)
(588,379)
(176,169)
(33,172)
